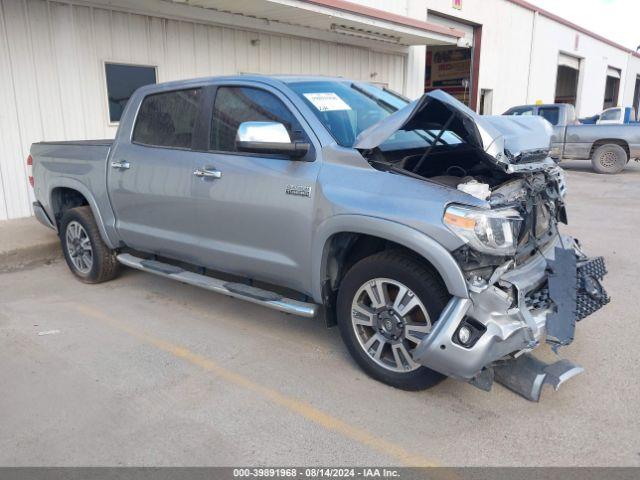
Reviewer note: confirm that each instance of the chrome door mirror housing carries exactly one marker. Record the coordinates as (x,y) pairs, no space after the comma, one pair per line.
(263,132)
(268,138)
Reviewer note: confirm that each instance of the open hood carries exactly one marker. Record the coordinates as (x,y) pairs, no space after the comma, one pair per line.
(505,139)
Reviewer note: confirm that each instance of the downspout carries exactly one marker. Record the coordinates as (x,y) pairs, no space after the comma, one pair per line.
(531,52)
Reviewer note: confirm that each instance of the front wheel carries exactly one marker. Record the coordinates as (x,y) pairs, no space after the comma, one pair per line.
(87,256)
(387,303)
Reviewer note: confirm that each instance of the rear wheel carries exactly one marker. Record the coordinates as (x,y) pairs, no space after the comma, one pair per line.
(610,158)
(87,256)
(387,304)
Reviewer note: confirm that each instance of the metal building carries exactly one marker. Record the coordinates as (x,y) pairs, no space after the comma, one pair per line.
(68,66)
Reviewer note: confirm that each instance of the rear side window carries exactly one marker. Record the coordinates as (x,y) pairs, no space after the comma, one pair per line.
(551,114)
(613,114)
(235,105)
(168,119)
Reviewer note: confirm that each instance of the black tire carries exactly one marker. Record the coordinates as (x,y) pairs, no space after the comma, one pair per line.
(419,279)
(104,265)
(609,159)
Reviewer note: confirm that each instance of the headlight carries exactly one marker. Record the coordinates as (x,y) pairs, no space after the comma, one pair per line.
(489,231)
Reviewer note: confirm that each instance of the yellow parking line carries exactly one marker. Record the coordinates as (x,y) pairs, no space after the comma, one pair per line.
(293,405)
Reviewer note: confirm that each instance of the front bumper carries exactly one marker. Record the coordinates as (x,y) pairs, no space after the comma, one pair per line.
(516,310)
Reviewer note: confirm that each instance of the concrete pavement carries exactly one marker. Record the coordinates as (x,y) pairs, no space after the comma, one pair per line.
(25,242)
(145,371)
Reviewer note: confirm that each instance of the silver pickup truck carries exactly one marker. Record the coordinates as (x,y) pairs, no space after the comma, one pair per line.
(609,147)
(428,233)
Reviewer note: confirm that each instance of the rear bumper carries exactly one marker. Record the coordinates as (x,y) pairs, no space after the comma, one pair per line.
(515,313)
(41,215)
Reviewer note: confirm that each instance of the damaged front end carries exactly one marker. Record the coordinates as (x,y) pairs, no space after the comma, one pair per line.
(527,283)
(511,313)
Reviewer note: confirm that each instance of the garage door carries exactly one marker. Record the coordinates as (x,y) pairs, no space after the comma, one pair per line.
(53,61)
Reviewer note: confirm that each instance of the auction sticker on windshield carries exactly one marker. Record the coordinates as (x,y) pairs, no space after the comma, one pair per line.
(327,102)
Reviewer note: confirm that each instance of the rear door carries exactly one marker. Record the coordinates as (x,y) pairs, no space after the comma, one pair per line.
(255,218)
(150,177)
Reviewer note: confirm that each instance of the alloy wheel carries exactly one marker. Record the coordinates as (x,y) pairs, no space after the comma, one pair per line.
(389,321)
(79,247)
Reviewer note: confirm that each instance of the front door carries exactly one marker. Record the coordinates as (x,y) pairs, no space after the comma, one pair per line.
(150,179)
(255,211)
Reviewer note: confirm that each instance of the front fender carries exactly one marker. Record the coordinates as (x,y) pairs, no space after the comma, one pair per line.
(410,238)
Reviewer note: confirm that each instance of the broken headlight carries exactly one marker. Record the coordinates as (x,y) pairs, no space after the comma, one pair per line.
(494,232)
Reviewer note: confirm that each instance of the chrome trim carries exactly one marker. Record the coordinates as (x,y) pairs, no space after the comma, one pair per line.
(207,173)
(121,165)
(267,132)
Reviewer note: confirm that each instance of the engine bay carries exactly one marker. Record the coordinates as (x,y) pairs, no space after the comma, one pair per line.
(537,195)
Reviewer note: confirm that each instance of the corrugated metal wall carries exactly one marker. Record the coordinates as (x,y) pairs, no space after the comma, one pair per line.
(52,83)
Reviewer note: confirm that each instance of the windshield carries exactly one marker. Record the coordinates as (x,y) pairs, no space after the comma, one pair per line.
(347,108)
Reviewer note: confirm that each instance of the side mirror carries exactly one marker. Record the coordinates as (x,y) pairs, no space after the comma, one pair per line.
(270,138)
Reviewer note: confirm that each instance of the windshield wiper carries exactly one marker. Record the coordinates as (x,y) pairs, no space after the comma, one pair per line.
(396,94)
(386,105)
(391,167)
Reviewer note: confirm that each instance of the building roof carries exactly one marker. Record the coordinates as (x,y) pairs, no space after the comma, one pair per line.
(339,17)
(377,14)
(557,18)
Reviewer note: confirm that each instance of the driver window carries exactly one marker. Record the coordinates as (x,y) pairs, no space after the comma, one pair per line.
(236,105)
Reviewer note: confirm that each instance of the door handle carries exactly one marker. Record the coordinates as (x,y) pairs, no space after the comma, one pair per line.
(207,173)
(121,165)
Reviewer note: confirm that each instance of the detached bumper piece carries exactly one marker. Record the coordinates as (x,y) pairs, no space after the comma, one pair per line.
(526,375)
(574,287)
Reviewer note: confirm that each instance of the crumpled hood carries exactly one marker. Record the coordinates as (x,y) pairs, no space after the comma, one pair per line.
(503,138)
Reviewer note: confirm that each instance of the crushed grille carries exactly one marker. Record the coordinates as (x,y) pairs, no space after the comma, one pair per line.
(591,295)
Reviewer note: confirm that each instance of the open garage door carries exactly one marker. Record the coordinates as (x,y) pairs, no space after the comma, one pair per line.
(567,79)
(451,67)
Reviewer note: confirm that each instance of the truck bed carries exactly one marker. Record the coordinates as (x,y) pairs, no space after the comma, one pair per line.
(79,165)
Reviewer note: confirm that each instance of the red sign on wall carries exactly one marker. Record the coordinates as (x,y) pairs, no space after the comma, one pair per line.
(457,4)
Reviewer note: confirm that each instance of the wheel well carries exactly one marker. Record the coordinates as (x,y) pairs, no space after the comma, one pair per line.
(344,250)
(63,198)
(608,141)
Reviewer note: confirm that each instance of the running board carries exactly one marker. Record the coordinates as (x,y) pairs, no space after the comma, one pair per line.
(237,290)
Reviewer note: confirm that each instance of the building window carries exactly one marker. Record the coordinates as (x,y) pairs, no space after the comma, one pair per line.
(122,81)
(567,79)
(636,96)
(612,87)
